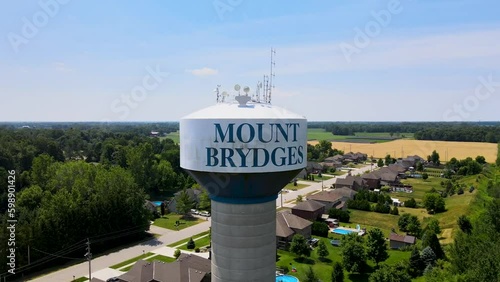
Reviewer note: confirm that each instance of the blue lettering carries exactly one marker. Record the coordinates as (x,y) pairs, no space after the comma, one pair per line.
(291,156)
(301,155)
(227,157)
(295,125)
(260,133)
(273,156)
(218,132)
(243,156)
(256,157)
(211,155)
(239,134)
(284,133)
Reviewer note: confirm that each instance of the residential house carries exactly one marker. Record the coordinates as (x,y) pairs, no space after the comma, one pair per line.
(387,176)
(399,241)
(194,195)
(287,225)
(355,157)
(334,198)
(151,207)
(314,168)
(356,183)
(310,210)
(372,181)
(335,161)
(187,268)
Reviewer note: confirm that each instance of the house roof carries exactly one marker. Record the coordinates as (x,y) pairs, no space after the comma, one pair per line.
(370,176)
(333,195)
(347,181)
(402,238)
(309,205)
(285,221)
(185,268)
(396,168)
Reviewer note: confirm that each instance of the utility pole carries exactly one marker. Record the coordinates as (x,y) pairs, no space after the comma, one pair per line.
(88,255)
(281,198)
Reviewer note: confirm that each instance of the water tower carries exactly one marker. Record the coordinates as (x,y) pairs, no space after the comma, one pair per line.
(243,152)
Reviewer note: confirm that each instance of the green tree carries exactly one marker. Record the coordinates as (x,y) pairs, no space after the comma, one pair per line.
(481,160)
(403,221)
(338,272)
(395,211)
(497,161)
(414,226)
(380,163)
(416,265)
(190,244)
(425,176)
(465,224)
(299,199)
(320,228)
(41,170)
(388,273)
(435,157)
(299,246)
(431,240)
(420,166)
(322,250)
(205,202)
(428,256)
(434,203)
(353,253)
(411,203)
(376,246)
(433,226)
(177,253)
(311,275)
(183,202)
(388,160)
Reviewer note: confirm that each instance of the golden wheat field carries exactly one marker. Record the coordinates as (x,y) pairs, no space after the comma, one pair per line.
(398,148)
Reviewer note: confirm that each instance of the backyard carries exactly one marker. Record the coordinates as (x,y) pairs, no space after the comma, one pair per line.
(323,269)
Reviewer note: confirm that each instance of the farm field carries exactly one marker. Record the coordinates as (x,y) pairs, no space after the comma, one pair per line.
(423,148)
(172,135)
(319,134)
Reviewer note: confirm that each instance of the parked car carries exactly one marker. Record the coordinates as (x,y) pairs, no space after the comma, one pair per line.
(204,213)
(194,211)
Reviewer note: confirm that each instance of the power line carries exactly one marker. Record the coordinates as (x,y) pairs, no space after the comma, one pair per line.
(54,254)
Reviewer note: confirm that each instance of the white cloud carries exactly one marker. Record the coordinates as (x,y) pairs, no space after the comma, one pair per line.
(203,71)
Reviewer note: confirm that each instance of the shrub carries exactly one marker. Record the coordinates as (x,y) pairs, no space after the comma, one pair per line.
(197,250)
(190,244)
(177,254)
(320,229)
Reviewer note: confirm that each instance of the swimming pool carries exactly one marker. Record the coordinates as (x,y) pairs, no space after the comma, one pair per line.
(342,231)
(286,278)
(157,203)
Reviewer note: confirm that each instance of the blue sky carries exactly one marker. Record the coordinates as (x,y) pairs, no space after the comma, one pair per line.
(70,60)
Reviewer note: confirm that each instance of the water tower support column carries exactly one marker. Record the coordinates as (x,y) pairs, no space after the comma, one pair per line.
(243,241)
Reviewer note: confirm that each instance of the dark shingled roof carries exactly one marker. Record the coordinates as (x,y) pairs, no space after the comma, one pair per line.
(402,238)
(285,221)
(308,205)
(186,268)
(333,195)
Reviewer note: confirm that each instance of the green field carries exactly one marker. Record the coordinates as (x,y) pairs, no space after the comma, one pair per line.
(168,221)
(359,137)
(172,135)
(161,258)
(323,269)
(299,186)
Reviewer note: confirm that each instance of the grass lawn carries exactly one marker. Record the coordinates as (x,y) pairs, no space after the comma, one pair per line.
(81,279)
(184,241)
(129,261)
(172,135)
(299,186)
(199,243)
(317,178)
(168,221)
(161,258)
(420,187)
(370,220)
(323,269)
(339,172)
